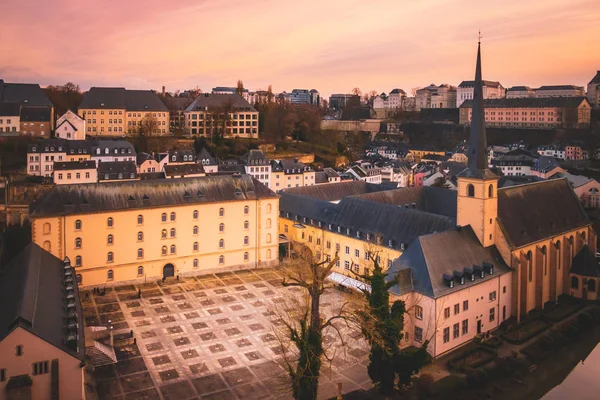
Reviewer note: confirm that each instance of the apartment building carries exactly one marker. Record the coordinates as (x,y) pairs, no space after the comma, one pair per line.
(36,121)
(228,115)
(258,165)
(41,156)
(593,90)
(339,101)
(555,151)
(74,172)
(116,171)
(515,163)
(119,112)
(145,230)
(290,173)
(540,113)
(491,90)
(33,101)
(10,118)
(41,328)
(432,96)
(517,92)
(328,175)
(560,91)
(365,172)
(70,126)
(209,162)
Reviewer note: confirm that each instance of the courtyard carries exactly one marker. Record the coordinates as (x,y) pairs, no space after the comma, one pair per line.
(217,336)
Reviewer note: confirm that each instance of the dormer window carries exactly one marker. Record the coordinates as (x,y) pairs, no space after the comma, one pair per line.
(347,231)
(358,234)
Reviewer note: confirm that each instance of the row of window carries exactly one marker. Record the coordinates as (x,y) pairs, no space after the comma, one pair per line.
(77,175)
(455,330)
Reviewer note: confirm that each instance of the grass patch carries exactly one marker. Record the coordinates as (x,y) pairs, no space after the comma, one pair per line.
(472,358)
(525,331)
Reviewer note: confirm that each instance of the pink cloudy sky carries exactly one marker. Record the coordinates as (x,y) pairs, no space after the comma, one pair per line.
(330,45)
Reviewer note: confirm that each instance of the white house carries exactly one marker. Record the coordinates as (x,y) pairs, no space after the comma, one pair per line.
(70,126)
(491,90)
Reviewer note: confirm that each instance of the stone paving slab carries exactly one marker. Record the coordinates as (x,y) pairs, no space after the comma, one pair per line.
(218,336)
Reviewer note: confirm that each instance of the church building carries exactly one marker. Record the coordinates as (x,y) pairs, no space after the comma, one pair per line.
(513,250)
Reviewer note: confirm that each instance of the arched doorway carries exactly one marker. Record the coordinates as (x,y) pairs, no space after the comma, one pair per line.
(168,271)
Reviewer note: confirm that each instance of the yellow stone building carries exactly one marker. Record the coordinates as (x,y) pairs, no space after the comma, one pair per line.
(358,219)
(118,112)
(147,230)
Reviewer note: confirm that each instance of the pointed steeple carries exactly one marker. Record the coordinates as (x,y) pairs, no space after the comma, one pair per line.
(478,140)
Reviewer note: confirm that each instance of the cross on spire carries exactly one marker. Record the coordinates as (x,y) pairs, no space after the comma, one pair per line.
(479,37)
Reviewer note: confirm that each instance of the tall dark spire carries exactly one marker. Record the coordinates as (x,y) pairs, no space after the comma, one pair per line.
(477,140)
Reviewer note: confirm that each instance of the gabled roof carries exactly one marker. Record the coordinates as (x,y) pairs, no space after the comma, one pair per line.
(10,109)
(142,158)
(255,157)
(596,78)
(536,211)
(424,198)
(107,196)
(493,84)
(66,121)
(121,98)
(519,89)
(110,170)
(432,256)
(585,263)
(35,114)
(183,170)
(205,155)
(336,191)
(559,87)
(391,223)
(73,165)
(28,94)
(33,297)
(530,102)
(213,101)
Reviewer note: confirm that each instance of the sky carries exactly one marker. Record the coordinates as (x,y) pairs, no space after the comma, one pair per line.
(329,45)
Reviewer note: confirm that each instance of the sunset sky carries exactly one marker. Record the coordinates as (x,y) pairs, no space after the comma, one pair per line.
(330,45)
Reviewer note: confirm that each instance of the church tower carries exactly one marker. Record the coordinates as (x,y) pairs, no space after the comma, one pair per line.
(477,185)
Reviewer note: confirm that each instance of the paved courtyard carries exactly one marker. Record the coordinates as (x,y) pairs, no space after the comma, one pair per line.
(215,336)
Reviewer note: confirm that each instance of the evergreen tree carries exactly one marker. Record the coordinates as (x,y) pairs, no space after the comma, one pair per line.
(382,326)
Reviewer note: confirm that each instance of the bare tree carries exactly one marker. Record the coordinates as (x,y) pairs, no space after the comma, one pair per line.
(357,92)
(240,87)
(307,335)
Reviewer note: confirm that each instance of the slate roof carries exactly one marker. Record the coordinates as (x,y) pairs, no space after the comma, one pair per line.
(519,89)
(121,98)
(10,109)
(596,79)
(585,264)
(205,155)
(389,222)
(529,102)
(32,294)
(321,177)
(28,94)
(183,170)
(179,154)
(493,84)
(430,199)
(432,256)
(151,175)
(143,157)
(72,165)
(101,197)
(545,164)
(289,166)
(559,87)
(212,101)
(399,91)
(35,114)
(336,191)
(532,212)
(255,157)
(110,170)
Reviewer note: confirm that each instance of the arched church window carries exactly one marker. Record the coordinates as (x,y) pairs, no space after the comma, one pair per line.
(574,282)
(470,190)
(491,191)
(591,285)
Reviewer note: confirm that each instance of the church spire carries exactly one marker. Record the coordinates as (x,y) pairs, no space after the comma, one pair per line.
(477,140)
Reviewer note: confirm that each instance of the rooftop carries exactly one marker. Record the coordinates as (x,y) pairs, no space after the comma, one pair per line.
(33,288)
(121,98)
(72,165)
(115,196)
(493,84)
(28,94)
(211,101)
(530,102)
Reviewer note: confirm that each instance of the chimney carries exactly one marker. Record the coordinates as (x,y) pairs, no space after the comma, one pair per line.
(163,90)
